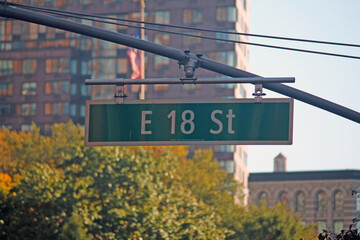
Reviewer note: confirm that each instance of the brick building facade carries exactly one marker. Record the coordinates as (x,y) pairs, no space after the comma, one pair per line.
(43,69)
(323,197)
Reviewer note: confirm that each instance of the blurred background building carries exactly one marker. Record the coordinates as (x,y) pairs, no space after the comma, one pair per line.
(323,197)
(42,69)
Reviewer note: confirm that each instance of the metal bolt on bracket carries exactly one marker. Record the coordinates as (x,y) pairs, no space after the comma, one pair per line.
(120,94)
(258,93)
(190,65)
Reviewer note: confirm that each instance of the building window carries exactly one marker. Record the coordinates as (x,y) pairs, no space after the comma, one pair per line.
(338,201)
(227,36)
(72,110)
(161,87)
(26,109)
(6,67)
(163,39)
(228,85)
(283,198)
(162,17)
(26,127)
(85,90)
(122,65)
(45,128)
(244,4)
(104,68)
(5,109)
(321,226)
(321,201)
(28,89)
(192,16)
(73,88)
(29,66)
(263,196)
(226,148)
(338,226)
(58,108)
(85,67)
(300,201)
(82,110)
(225,57)
(161,62)
(187,40)
(58,87)
(227,165)
(358,204)
(60,65)
(6,89)
(85,2)
(226,14)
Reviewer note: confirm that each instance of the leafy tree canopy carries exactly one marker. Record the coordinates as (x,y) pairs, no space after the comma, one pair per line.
(56,188)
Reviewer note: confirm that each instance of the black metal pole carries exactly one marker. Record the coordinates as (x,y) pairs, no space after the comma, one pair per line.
(16,13)
(123,81)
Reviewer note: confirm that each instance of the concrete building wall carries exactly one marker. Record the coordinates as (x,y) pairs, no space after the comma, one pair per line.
(330,214)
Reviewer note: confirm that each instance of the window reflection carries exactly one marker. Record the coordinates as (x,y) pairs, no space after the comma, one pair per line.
(225,57)
(263,196)
(28,89)
(338,201)
(6,89)
(226,14)
(300,201)
(283,198)
(321,201)
(192,16)
(58,108)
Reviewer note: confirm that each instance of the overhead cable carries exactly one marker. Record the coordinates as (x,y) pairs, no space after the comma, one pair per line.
(75,15)
(195,28)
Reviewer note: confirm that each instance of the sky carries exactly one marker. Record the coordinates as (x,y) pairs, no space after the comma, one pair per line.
(321,140)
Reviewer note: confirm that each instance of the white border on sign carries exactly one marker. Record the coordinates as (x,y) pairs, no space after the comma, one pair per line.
(156,101)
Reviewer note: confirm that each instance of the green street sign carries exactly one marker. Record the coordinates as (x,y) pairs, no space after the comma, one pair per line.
(164,122)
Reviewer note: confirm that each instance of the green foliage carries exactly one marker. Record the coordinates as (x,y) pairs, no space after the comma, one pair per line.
(21,150)
(68,191)
(120,193)
(35,207)
(215,187)
(278,222)
(74,229)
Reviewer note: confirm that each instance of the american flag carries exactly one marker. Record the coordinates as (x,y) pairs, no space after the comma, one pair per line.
(133,55)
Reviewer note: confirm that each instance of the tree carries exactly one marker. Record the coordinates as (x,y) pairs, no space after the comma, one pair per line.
(277,222)
(67,189)
(120,193)
(218,189)
(202,175)
(36,207)
(74,229)
(19,150)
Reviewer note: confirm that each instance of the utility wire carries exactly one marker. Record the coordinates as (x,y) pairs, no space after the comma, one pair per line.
(196,28)
(75,15)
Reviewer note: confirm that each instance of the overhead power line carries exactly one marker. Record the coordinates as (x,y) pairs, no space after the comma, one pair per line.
(90,18)
(196,28)
(172,53)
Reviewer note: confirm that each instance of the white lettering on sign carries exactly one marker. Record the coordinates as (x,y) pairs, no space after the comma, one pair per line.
(217,121)
(187,125)
(230,116)
(188,121)
(144,122)
(172,116)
